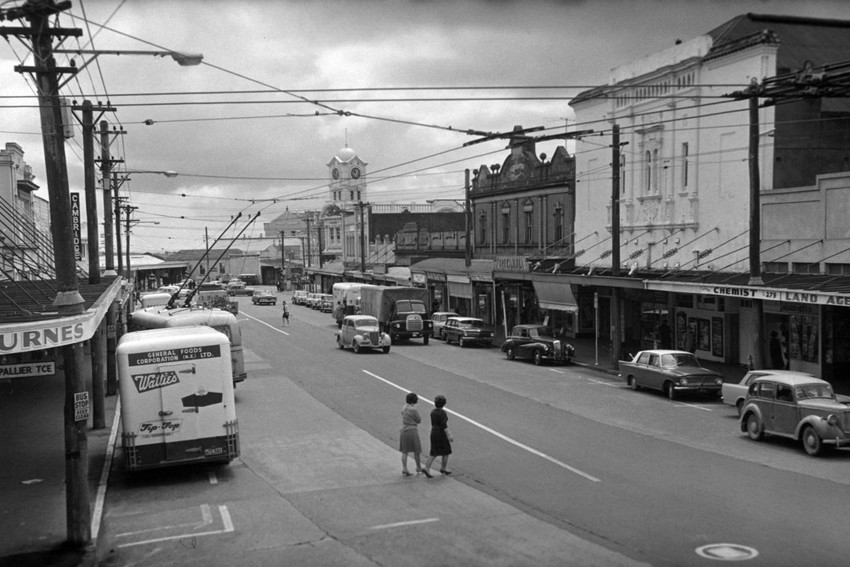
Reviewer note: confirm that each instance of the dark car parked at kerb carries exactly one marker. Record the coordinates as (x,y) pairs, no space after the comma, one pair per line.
(537,343)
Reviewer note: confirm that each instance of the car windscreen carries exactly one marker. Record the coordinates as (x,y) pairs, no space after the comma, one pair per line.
(814,390)
(473,323)
(674,360)
(406,306)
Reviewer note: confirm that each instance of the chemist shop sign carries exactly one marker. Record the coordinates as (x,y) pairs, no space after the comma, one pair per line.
(27,370)
(785,295)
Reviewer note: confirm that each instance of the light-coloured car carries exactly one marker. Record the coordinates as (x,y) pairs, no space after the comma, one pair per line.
(326,303)
(299,297)
(797,406)
(439,318)
(467,331)
(734,393)
(360,332)
(670,371)
(264,297)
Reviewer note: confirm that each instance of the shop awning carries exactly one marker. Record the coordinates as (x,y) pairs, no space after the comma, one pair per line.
(555,295)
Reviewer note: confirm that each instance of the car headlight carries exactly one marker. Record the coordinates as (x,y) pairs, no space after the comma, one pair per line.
(832,419)
(683,381)
(718,381)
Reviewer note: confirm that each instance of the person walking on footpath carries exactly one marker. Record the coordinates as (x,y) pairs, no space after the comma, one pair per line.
(285,312)
(441,439)
(408,441)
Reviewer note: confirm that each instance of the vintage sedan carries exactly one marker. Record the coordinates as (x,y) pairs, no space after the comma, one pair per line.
(799,407)
(439,318)
(670,371)
(734,393)
(299,297)
(467,331)
(537,343)
(264,297)
(360,332)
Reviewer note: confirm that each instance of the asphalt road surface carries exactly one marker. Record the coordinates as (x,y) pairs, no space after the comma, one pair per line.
(661,482)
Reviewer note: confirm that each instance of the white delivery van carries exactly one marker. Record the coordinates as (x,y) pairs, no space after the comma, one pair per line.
(177,402)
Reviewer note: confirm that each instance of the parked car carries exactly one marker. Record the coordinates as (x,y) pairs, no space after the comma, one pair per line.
(797,406)
(467,331)
(299,296)
(439,318)
(670,371)
(734,393)
(326,303)
(360,332)
(311,300)
(264,297)
(537,343)
(238,287)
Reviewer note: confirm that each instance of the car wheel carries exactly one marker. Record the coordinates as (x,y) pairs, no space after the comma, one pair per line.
(740,405)
(754,428)
(632,382)
(670,390)
(811,441)
(339,343)
(538,358)
(356,348)
(461,342)
(442,335)
(386,350)
(425,340)
(510,353)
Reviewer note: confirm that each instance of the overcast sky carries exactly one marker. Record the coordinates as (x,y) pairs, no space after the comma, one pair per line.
(237,128)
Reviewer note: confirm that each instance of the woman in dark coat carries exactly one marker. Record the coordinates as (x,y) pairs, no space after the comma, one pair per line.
(441,439)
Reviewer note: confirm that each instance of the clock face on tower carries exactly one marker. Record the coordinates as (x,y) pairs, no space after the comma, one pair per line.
(355,173)
(335,173)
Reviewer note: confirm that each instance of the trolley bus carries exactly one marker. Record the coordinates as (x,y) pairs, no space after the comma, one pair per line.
(223,321)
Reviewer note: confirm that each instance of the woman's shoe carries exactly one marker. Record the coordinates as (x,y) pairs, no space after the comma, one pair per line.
(406,474)
(445,472)
(426,473)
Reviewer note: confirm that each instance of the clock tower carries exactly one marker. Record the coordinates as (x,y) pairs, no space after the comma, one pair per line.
(347,178)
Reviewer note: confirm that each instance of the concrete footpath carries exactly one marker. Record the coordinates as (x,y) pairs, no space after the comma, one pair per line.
(33,499)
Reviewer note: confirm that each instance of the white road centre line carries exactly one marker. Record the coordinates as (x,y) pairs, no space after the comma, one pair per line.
(403,524)
(497,434)
(266,324)
(694,406)
(603,383)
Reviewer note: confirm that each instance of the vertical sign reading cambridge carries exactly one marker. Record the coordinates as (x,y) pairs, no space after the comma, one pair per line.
(75,221)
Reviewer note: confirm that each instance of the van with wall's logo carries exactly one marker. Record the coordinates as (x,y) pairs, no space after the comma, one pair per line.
(177,400)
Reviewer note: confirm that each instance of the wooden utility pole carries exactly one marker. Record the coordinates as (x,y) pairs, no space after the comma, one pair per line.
(282,261)
(68,299)
(117,200)
(467,220)
(615,246)
(755,226)
(361,204)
